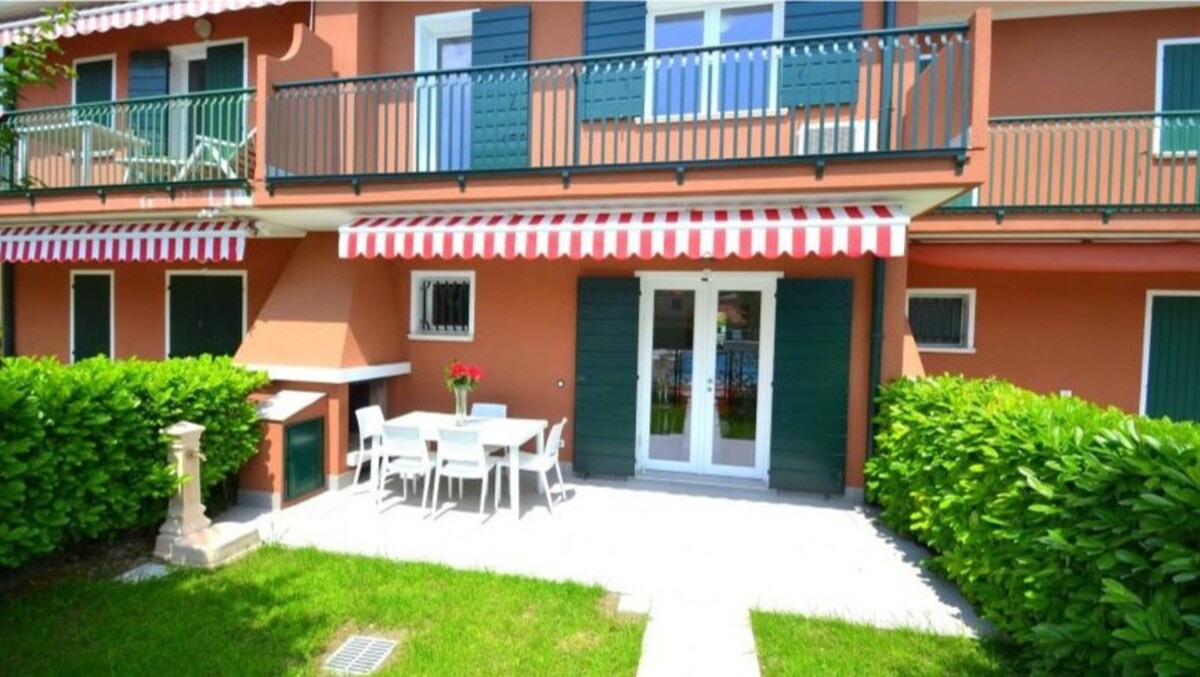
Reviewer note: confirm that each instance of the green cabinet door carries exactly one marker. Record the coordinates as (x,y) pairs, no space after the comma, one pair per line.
(811,385)
(303,458)
(206,314)
(1173,362)
(91,315)
(606,375)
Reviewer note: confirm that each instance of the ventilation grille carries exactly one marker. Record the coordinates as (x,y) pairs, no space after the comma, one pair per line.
(360,655)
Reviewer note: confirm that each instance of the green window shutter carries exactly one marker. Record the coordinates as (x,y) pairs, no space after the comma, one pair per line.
(206,315)
(613,89)
(94,85)
(225,68)
(1180,92)
(819,79)
(91,316)
(606,332)
(149,73)
(500,98)
(304,458)
(811,385)
(1173,372)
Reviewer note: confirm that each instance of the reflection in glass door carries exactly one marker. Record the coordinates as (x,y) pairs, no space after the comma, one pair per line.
(705,342)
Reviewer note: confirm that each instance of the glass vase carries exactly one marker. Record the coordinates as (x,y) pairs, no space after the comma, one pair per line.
(460,404)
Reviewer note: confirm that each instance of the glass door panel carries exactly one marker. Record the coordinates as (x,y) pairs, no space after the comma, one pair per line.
(735,378)
(671,396)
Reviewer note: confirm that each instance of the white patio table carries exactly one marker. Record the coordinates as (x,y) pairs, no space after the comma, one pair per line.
(509,433)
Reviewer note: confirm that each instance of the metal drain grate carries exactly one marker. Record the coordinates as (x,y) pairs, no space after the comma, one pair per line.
(360,655)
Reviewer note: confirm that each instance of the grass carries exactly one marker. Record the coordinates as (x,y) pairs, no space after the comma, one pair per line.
(278,611)
(797,645)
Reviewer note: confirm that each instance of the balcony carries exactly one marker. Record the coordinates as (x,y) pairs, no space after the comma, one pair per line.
(190,140)
(1110,162)
(814,100)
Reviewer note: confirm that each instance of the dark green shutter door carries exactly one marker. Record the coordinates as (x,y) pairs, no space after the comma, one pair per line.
(606,375)
(613,89)
(94,84)
(816,79)
(91,316)
(500,98)
(1173,372)
(304,458)
(206,315)
(225,67)
(811,385)
(1181,92)
(149,76)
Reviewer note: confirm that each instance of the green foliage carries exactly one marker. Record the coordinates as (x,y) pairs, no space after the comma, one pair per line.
(82,453)
(1074,529)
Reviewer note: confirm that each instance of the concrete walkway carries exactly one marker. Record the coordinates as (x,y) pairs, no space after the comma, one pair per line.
(698,558)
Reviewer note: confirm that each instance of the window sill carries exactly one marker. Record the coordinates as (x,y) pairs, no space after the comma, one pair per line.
(945,349)
(451,338)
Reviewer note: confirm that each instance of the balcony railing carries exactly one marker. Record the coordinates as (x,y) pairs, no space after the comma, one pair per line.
(1104,162)
(897,93)
(189,139)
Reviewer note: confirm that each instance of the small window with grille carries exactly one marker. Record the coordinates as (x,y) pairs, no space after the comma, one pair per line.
(942,319)
(443,305)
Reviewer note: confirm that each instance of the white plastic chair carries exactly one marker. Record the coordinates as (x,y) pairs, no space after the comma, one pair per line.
(370,437)
(461,455)
(408,457)
(489,410)
(543,462)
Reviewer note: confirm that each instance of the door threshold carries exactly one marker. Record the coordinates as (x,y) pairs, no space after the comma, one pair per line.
(699,480)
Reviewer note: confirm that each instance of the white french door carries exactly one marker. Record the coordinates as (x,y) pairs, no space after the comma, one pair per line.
(705,356)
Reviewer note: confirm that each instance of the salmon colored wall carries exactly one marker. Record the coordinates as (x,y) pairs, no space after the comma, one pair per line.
(525,336)
(1050,331)
(268,30)
(42,299)
(1088,63)
(264,471)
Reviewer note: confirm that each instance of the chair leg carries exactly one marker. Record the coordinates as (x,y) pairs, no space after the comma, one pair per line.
(545,485)
(483,489)
(499,489)
(425,493)
(562,486)
(437,482)
(358,470)
(403,487)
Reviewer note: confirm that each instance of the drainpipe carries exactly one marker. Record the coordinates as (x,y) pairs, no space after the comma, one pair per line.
(8,335)
(879,266)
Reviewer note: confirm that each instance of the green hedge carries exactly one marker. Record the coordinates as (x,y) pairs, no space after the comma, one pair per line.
(82,454)
(1074,529)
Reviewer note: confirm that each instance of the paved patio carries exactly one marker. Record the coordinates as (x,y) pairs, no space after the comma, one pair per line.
(696,557)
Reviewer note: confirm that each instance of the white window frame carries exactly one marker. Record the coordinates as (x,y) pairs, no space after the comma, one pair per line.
(428,29)
(92,59)
(947,292)
(242,273)
(709,95)
(1163,44)
(414,304)
(1148,321)
(112,309)
(177,82)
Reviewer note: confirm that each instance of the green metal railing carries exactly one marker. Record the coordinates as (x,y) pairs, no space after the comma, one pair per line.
(188,139)
(1106,162)
(845,96)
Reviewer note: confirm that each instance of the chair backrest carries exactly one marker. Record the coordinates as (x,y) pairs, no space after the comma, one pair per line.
(554,439)
(405,441)
(370,425)
(489,410)
(460,446)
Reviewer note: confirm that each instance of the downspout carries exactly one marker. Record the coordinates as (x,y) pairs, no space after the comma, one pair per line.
(8,335)
(878,268)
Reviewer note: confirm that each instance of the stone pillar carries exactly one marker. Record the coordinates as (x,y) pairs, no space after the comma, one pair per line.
(185,514)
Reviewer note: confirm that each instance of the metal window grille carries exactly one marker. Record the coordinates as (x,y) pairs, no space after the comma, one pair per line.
(939,321)
(445,306)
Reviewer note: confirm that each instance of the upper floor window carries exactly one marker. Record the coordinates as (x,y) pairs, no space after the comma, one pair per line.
(706,81)
(95,83)
(942,319)
(1178,90)
(442,305)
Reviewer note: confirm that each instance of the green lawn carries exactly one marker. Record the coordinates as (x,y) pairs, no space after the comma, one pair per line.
(797,645)
(278,611)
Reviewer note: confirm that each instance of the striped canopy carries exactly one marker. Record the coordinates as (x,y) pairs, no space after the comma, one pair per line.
(100,242)
(770,232)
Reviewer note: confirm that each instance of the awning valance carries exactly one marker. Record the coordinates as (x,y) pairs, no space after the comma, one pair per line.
(770,232)
(132,14)
(95,242)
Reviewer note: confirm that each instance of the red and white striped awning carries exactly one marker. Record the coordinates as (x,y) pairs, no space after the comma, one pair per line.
(131,14)
(768,232)
(171,241)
